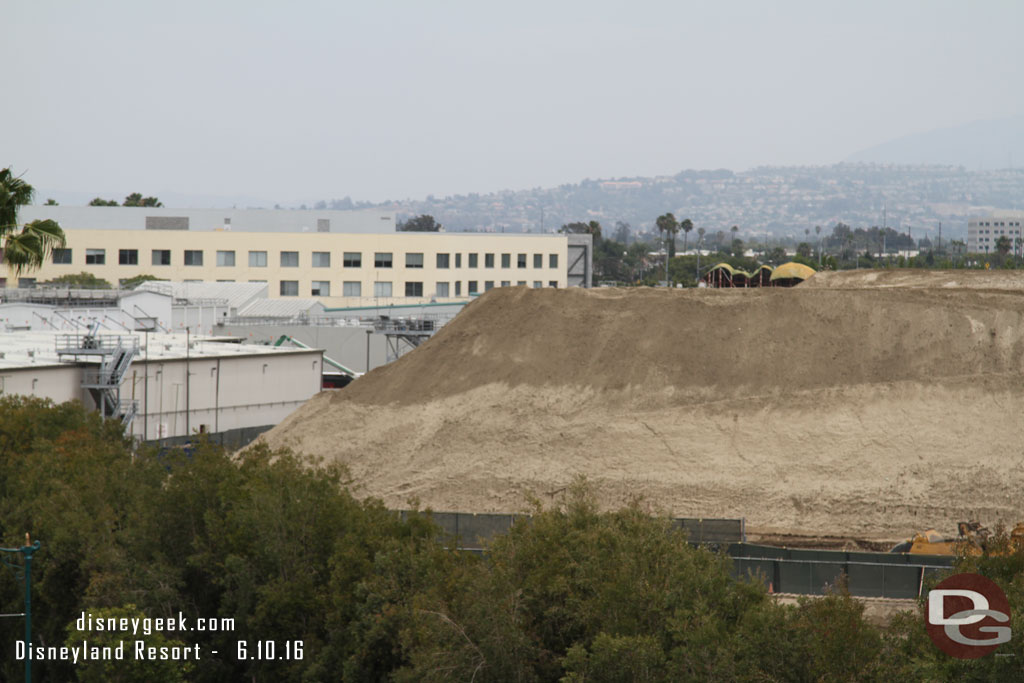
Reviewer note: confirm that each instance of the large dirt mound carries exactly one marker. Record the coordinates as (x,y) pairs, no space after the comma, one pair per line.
(918,279)
(810,410)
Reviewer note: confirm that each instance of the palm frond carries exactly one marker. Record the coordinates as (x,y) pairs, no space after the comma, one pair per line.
(14,193)
(29,249)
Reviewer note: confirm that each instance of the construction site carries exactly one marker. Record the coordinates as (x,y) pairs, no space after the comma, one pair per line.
(848,411)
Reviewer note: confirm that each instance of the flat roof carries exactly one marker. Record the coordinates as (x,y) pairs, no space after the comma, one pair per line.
(37,349)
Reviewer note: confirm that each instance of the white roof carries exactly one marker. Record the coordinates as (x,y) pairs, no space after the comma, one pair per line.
(39,348)
(235,294)
(281,308)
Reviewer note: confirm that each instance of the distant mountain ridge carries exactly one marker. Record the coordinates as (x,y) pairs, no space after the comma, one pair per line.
(979,145)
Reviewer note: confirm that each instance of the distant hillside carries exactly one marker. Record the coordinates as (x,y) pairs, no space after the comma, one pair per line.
(980,145)
(784,201)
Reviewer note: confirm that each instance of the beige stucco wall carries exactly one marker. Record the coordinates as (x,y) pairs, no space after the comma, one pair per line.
(397,244)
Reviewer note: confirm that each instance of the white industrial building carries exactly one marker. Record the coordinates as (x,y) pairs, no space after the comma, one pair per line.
(164,386)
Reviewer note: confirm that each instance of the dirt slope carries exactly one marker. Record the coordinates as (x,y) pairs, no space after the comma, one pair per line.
(816,410)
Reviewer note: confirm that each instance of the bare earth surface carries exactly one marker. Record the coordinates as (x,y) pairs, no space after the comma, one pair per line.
(865,405)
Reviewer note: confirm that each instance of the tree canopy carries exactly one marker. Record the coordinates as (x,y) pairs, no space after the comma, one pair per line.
(83,279)
(25,247)
(422,223)
(136,199)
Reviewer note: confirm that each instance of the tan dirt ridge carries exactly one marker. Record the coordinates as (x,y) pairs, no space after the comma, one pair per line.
(837,408)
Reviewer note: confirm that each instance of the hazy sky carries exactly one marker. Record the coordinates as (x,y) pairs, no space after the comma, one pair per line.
(300,100)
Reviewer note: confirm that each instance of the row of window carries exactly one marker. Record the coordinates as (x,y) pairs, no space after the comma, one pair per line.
(290,259)
(385,289)
(998,223)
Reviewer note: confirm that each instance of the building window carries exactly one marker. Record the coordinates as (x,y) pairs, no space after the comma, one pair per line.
(352,259)
(506,260)
(321,288)
(538,260)
(552,260)
(62,256)
(471,287)
(488,285)
(488,260)
(352,289)
(289,287)
(161,257)
(257,259)
(225,280)
(95,257)
(414,260)
(442,261)
(553,284)
(289,259)
(381,289)
(321,259)
(521,283)
(193,257)
(472,261)
(382,259)
(442,290)
(458,288)
(537,284)
(225,259)
(458,260)
(414,289)
(128,257)
(521,261)
(505,283)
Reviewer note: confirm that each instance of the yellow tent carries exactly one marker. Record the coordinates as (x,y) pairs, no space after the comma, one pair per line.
(791,272)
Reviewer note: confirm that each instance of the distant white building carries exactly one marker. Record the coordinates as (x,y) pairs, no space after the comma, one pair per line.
(983,232)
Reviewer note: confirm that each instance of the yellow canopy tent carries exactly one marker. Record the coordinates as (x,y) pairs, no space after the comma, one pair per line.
(790,274)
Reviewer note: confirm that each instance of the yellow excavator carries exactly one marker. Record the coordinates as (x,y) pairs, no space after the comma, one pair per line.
(972,539)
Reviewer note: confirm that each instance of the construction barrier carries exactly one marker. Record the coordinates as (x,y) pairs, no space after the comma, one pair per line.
(475,530)
(810,572)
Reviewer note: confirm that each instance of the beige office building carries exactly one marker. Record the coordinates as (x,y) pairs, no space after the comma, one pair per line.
(374,267)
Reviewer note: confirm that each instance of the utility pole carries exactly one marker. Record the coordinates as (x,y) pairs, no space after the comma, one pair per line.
(27,551)
(188,365)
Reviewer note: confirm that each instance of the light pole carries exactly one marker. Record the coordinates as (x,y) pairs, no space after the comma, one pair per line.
(368,333)
(27,550)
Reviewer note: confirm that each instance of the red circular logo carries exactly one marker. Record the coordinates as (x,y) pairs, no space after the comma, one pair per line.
(968,616)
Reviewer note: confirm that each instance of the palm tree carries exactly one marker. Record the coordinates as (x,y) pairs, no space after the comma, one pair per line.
(817,231)
(668,225)
(686,226)
(27,248)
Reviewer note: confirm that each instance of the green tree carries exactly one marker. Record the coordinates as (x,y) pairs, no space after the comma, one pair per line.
(421,223)
(28,247)
(136,199)
(579,228)
(83,279)
(129,669)
(51,202)
(686,225)
(103,202)
(1003,245)
(133,282)
(668,226)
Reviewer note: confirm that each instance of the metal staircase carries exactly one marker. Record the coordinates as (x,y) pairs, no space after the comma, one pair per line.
(116,353)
